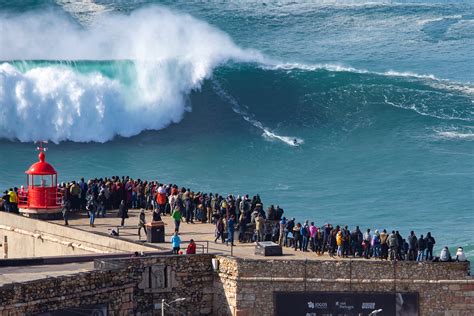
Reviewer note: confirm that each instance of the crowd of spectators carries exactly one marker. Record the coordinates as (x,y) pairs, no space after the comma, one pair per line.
(247,215)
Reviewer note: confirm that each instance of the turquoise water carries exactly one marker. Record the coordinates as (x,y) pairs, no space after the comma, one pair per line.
(379,96)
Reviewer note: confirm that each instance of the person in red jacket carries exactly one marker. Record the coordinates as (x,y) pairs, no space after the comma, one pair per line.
(161,199)
(191,250)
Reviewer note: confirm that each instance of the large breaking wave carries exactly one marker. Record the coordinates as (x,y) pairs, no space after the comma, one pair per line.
(130,73)
(169,55)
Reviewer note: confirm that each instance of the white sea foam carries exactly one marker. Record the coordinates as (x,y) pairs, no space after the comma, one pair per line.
(438,19)
(171,55)
(342,68)
(275,65)
(85,11)
(456,135)
(430,79)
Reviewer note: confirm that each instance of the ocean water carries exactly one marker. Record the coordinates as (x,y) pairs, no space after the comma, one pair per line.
(379,97)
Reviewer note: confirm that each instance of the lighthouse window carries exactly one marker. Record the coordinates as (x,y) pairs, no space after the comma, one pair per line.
(44,181)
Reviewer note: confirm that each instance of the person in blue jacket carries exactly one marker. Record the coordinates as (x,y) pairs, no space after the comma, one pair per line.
(175,242)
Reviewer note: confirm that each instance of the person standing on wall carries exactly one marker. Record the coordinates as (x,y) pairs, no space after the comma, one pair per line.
(367,243)
(430,242)
(412,246)
(421,249)
(393,245)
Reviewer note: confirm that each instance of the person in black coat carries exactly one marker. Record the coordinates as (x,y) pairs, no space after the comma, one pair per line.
(430,242)
(123,212)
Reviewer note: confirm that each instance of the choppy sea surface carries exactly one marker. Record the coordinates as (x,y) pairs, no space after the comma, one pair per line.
(379,97)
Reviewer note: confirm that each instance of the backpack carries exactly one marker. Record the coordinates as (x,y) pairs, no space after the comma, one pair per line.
(304,231)
(429,242)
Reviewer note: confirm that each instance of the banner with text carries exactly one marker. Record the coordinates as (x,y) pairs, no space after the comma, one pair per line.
(346,304)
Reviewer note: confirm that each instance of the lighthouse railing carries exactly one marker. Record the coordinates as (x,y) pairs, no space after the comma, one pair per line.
(40,198)
(23,199)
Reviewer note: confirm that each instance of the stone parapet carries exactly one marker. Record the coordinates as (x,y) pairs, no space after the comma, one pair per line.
(249,285)
(136,286)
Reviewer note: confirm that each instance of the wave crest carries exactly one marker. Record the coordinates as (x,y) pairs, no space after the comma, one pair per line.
(171,54)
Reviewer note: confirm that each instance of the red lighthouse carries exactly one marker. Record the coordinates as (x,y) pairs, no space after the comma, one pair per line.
(42,198)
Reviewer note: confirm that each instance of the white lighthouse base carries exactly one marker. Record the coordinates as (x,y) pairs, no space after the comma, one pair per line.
(42,213)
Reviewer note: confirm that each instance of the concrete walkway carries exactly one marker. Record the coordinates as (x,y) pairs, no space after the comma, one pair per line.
(203,234)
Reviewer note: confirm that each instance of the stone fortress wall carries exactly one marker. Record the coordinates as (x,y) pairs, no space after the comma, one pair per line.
(135,286)
(125,286)
(249,285)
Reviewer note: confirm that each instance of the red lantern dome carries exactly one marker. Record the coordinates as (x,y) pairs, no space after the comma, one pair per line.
(41,167)
(42,196)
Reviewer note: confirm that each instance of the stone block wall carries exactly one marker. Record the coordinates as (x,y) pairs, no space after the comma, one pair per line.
(136,286)
(189,277)
(124,285)
(115,288)
(248,285)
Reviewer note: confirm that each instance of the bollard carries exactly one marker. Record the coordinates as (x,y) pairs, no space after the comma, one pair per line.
(5,247)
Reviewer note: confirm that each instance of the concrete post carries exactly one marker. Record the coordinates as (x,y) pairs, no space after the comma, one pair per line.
(5,247)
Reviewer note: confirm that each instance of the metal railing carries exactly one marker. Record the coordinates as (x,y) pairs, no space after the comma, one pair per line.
(40,198)
(202,245)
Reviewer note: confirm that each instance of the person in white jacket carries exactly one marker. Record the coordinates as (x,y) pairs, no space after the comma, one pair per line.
(460,256)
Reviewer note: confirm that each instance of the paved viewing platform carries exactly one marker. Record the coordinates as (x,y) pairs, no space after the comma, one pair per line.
(202,233)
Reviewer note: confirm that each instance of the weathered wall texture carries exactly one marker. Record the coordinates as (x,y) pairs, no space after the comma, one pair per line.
(248,285)
(170,278)
(134,286)
(127,286)
(96,287)
(35,238)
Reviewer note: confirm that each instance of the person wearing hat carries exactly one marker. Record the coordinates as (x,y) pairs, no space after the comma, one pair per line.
(460,256)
